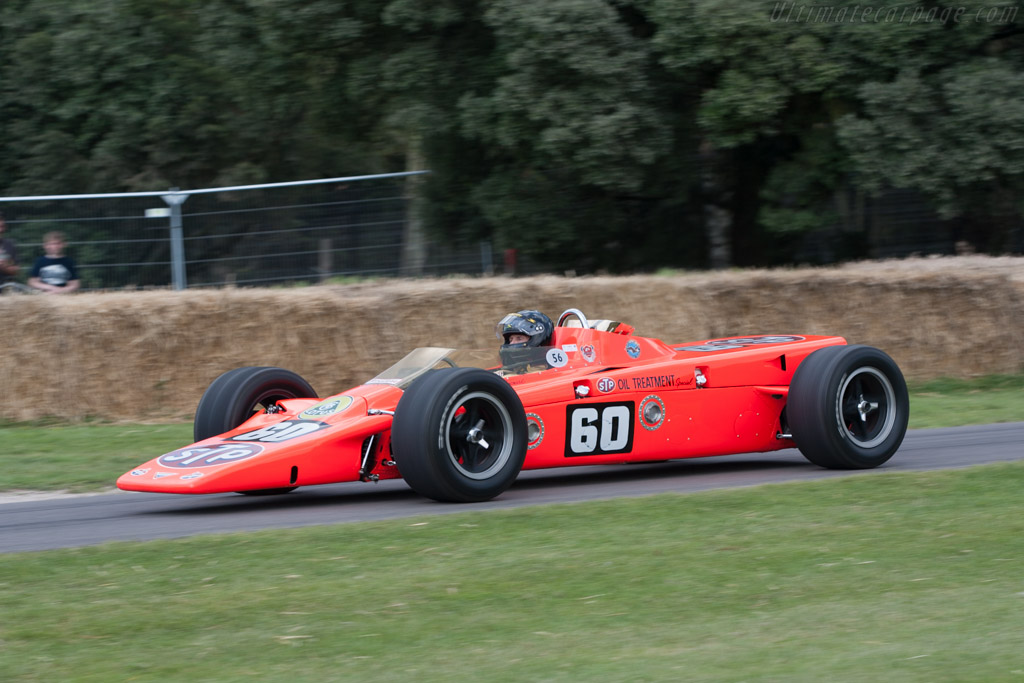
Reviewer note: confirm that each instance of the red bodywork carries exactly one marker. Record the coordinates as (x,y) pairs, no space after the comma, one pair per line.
(618,398)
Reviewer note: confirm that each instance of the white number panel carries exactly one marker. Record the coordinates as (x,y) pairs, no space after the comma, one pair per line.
(599,428)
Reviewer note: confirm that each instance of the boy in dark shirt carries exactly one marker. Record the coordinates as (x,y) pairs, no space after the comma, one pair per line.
(54,273)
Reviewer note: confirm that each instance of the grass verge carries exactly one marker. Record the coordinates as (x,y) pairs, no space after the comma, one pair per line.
(49,456)
(80,457)
(955,402)
(896,577)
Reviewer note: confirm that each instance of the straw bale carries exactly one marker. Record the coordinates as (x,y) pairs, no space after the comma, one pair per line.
(149,355)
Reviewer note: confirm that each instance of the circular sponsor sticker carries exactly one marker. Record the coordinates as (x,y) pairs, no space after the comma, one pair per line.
(327,407)
(209,456)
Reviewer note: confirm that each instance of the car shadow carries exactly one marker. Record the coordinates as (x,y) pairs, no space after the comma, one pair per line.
(531,486)
(696,467)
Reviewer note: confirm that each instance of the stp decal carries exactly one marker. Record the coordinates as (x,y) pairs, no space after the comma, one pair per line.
(281,431)
(740,342)
(209,456)
(330,406)
(599,428)
(607,384)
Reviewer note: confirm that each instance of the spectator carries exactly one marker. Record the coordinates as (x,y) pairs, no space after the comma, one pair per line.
(54,273)
(8,256)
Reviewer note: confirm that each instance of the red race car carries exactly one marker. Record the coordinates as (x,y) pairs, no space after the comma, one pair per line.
(459,426)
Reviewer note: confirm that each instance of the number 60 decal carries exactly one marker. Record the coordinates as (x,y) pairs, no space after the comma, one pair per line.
(599,428)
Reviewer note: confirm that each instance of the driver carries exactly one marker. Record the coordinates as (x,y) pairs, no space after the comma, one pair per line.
(520,332)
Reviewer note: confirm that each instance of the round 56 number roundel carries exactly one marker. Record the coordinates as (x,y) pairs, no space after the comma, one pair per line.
(556,358)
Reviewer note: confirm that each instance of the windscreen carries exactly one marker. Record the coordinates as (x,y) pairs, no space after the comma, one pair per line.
(417,362)
(421,360)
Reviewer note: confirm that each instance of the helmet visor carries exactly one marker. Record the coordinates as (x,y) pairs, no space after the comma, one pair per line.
(515,323)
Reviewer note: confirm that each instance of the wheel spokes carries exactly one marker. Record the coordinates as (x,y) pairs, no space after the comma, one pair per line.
(863,408)
(472,436)
(478,435)
(857,428)
(849,408)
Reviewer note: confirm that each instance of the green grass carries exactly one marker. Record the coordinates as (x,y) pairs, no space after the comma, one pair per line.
(955,402)
(895,577)
(48,456)
(80,457)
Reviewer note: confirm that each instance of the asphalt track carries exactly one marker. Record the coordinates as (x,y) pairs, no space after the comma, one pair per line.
(72,521)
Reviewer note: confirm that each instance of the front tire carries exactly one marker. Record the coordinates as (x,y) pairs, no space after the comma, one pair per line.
(848,407)
(459,435)
(239,394)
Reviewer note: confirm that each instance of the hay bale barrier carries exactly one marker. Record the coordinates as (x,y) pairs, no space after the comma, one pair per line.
(150,355)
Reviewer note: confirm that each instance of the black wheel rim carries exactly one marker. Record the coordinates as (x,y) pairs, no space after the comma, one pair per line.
(477,433)
(266,399)
(866,407)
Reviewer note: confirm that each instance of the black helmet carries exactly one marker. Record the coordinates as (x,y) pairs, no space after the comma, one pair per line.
(534,324)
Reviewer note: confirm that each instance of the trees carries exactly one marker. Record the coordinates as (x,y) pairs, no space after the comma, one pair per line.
(795,112)
(132,94)
(571,128)
(956,135)
(588,134)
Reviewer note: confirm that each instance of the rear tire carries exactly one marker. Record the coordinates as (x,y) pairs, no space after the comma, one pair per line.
(848,407)
(239,394)
(459,435)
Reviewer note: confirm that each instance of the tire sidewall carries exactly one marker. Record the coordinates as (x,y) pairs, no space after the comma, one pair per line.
(229,400)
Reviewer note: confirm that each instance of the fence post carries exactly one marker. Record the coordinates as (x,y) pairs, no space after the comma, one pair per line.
(486,259)
(325,259)
(414,241)
(175,200)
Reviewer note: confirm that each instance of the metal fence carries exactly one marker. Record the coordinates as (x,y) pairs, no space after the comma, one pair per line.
(355,227)
(309,231)
(902,223)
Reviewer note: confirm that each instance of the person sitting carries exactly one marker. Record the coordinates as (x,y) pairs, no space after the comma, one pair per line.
(54,273)
(523,335)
